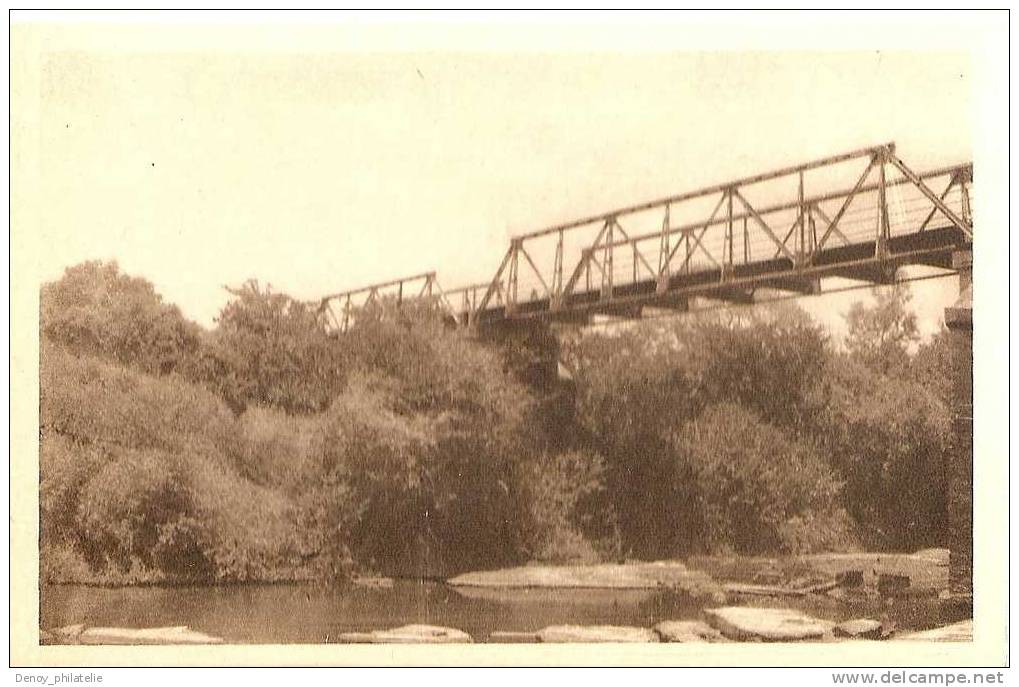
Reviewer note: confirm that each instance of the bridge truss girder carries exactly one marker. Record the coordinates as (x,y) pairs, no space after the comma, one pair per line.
(761,232)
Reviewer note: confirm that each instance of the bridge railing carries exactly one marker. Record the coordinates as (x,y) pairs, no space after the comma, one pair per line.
(791,215)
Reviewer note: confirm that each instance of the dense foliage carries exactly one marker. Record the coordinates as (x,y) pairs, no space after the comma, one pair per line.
(269,449)
(270,350)
(880,335)
(96,310)
(702,422)
(142,479)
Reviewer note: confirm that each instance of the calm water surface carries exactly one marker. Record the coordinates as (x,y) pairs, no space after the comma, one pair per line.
(311,613)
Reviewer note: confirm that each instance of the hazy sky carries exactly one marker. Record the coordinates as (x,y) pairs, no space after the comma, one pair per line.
(318,170)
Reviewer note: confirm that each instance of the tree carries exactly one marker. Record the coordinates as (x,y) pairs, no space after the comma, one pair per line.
(94,309)
(570,513)
(272,350)
(889,440)
(144,478)
(428,434)
(941,363)
(636,386)
(752,484)
(880,334)
(770,362)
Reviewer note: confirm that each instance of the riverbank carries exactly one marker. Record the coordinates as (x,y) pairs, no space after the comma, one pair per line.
(898,594)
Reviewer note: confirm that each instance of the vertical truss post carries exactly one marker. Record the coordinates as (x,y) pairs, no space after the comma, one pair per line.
(964,179)
(607,260)
(801,254)
(746,243)
(728,237)
(881,245)
(511,286)
(663,254)
(556,297)
(813,229)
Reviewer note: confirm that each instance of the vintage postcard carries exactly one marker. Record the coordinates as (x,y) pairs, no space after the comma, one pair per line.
(510,340)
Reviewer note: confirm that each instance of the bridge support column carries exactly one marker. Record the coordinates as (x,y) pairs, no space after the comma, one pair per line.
(959,320)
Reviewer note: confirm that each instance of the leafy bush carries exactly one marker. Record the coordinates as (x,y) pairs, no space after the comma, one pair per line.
(64,468)
(277,448)
(144,479)
(427,479)
(254,528)
(570,513)
(636,386)
(817,531)
(94,401)
(124,505)
(766,363)
(943,365)
(426,435)
(752,492)
(95,310)
(889,440)
(271,350)
(62,563)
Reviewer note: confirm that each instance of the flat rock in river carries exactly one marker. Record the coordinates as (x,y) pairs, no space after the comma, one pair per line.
(409,634)
(687,631)
(860,627)
(766,624)
(956,632)
(373,582)
(507,637)
(604,576)
(68,633)
(575,597)
(149,635)
(595,633)
(926,569)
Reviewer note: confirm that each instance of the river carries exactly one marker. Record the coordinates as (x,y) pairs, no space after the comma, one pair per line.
(313,613)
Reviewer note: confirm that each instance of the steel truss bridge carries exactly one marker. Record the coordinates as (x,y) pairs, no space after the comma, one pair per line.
(860,216)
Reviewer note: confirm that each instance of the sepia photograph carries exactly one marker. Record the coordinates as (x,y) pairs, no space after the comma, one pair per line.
(344,332)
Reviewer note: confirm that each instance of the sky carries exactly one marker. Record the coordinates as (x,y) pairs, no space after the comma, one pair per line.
(316,169)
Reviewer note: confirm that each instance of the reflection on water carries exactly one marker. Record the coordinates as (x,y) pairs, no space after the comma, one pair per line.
(310,613)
